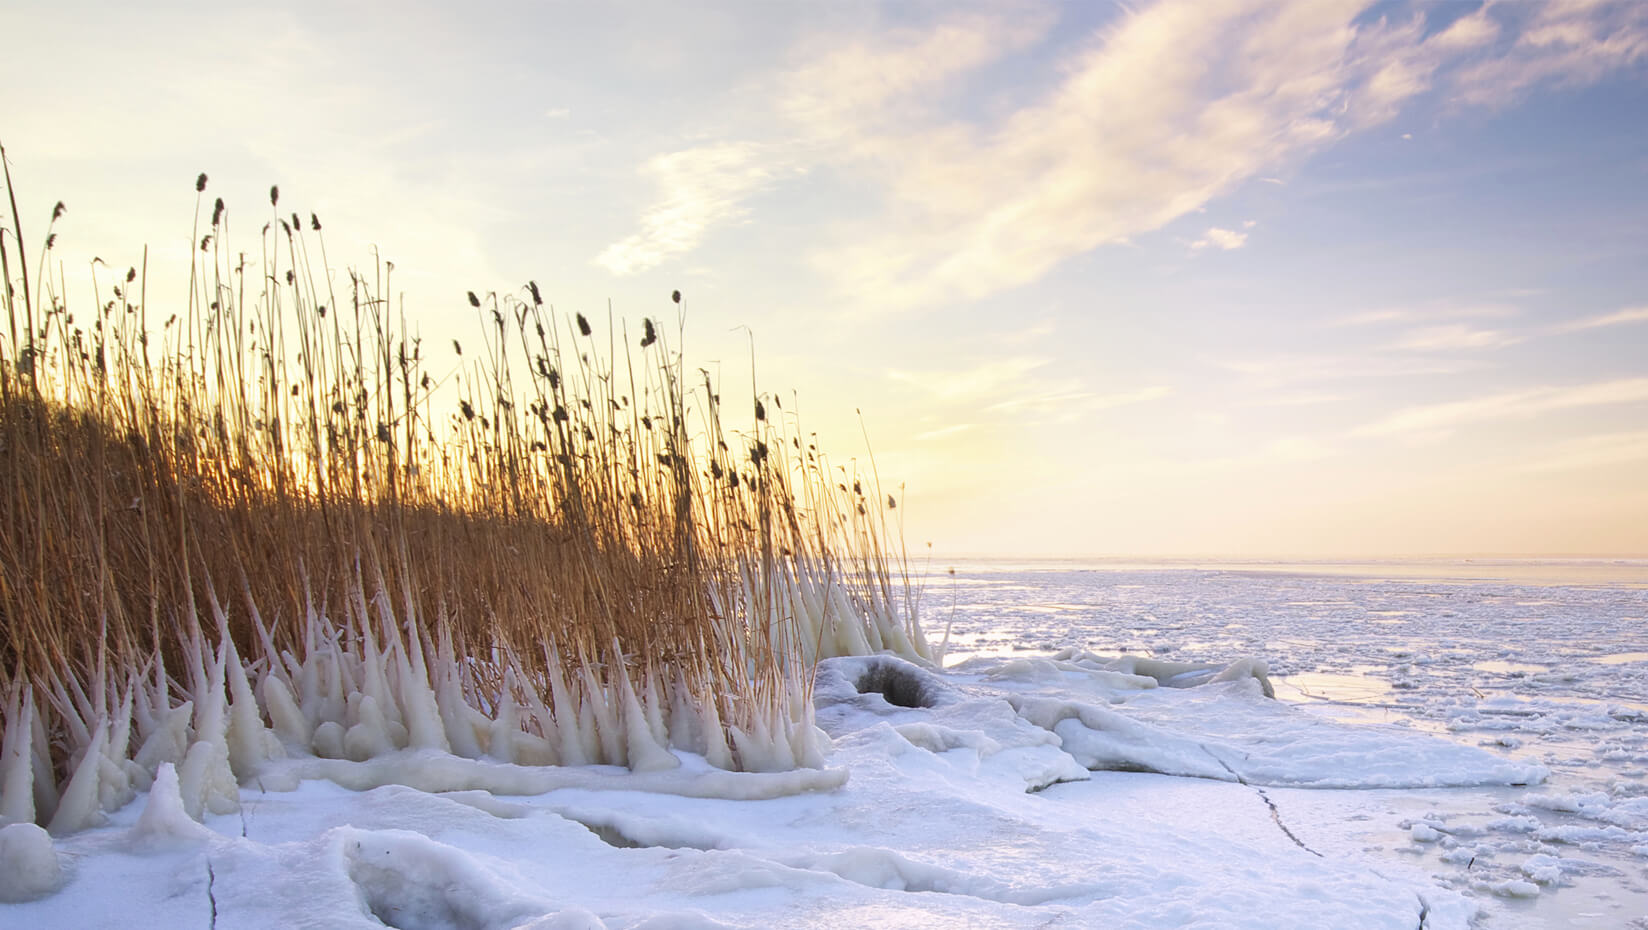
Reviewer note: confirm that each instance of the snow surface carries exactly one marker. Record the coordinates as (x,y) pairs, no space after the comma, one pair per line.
(1445,752)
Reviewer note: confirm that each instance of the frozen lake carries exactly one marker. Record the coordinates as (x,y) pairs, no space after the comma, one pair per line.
(1540,661)
(1454,746)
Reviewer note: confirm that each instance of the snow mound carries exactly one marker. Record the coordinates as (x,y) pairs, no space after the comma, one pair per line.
(411,882)
(28,863)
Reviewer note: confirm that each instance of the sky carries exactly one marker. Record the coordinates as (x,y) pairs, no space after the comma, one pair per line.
(1192,278)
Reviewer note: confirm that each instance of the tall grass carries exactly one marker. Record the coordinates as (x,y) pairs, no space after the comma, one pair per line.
(264,523)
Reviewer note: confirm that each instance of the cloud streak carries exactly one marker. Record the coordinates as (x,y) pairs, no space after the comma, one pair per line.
(700,188)
(1432,418)
(1617,318)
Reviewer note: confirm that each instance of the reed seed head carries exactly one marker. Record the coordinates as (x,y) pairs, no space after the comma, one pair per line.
(200,183)
(473,300)
(583,325)
(274,195)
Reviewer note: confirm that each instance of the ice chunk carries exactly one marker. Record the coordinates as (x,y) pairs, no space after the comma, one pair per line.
(1543,869)
(28,863)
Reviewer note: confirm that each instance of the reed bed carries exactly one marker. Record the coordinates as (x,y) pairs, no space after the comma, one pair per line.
(263,524)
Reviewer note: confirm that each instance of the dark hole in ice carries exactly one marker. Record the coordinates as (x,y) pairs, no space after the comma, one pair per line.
(901,685)
(612,836)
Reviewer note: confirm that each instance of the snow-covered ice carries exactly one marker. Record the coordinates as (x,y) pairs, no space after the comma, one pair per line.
(1441,751)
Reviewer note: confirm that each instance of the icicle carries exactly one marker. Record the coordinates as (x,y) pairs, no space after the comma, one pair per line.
(16,762)
(684,721)
(424,729)
(80,733)
(643,749)
(751,747)
(45,788)
(120,736)
(567,717)
(332,705)
(247,739)
(460,734)
(596,701)
(716,751)
(114,782)
(381,678)
(778,732)
(373,684)
(533,750)
(143,711)
(589,733)
(79,807)
(264,639)
(655,707)
(290,724)
(507,723)
(849,628)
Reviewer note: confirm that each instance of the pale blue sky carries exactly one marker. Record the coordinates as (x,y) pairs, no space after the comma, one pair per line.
(1184,278)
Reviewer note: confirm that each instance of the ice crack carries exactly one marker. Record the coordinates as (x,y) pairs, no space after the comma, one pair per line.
(1275,813)
(211,893)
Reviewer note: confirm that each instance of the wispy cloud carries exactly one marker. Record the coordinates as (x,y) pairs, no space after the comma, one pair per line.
(700,187)
(1562,42)
(1286,371)
(1070,399)
(1617,318)
(974,383)
(1432,418)
(1427,314)
(943,432)
(1598,451)
(1454,336)
(1156,114)
(1225,239)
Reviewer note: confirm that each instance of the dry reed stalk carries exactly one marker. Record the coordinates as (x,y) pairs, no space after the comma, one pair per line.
(570,554)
